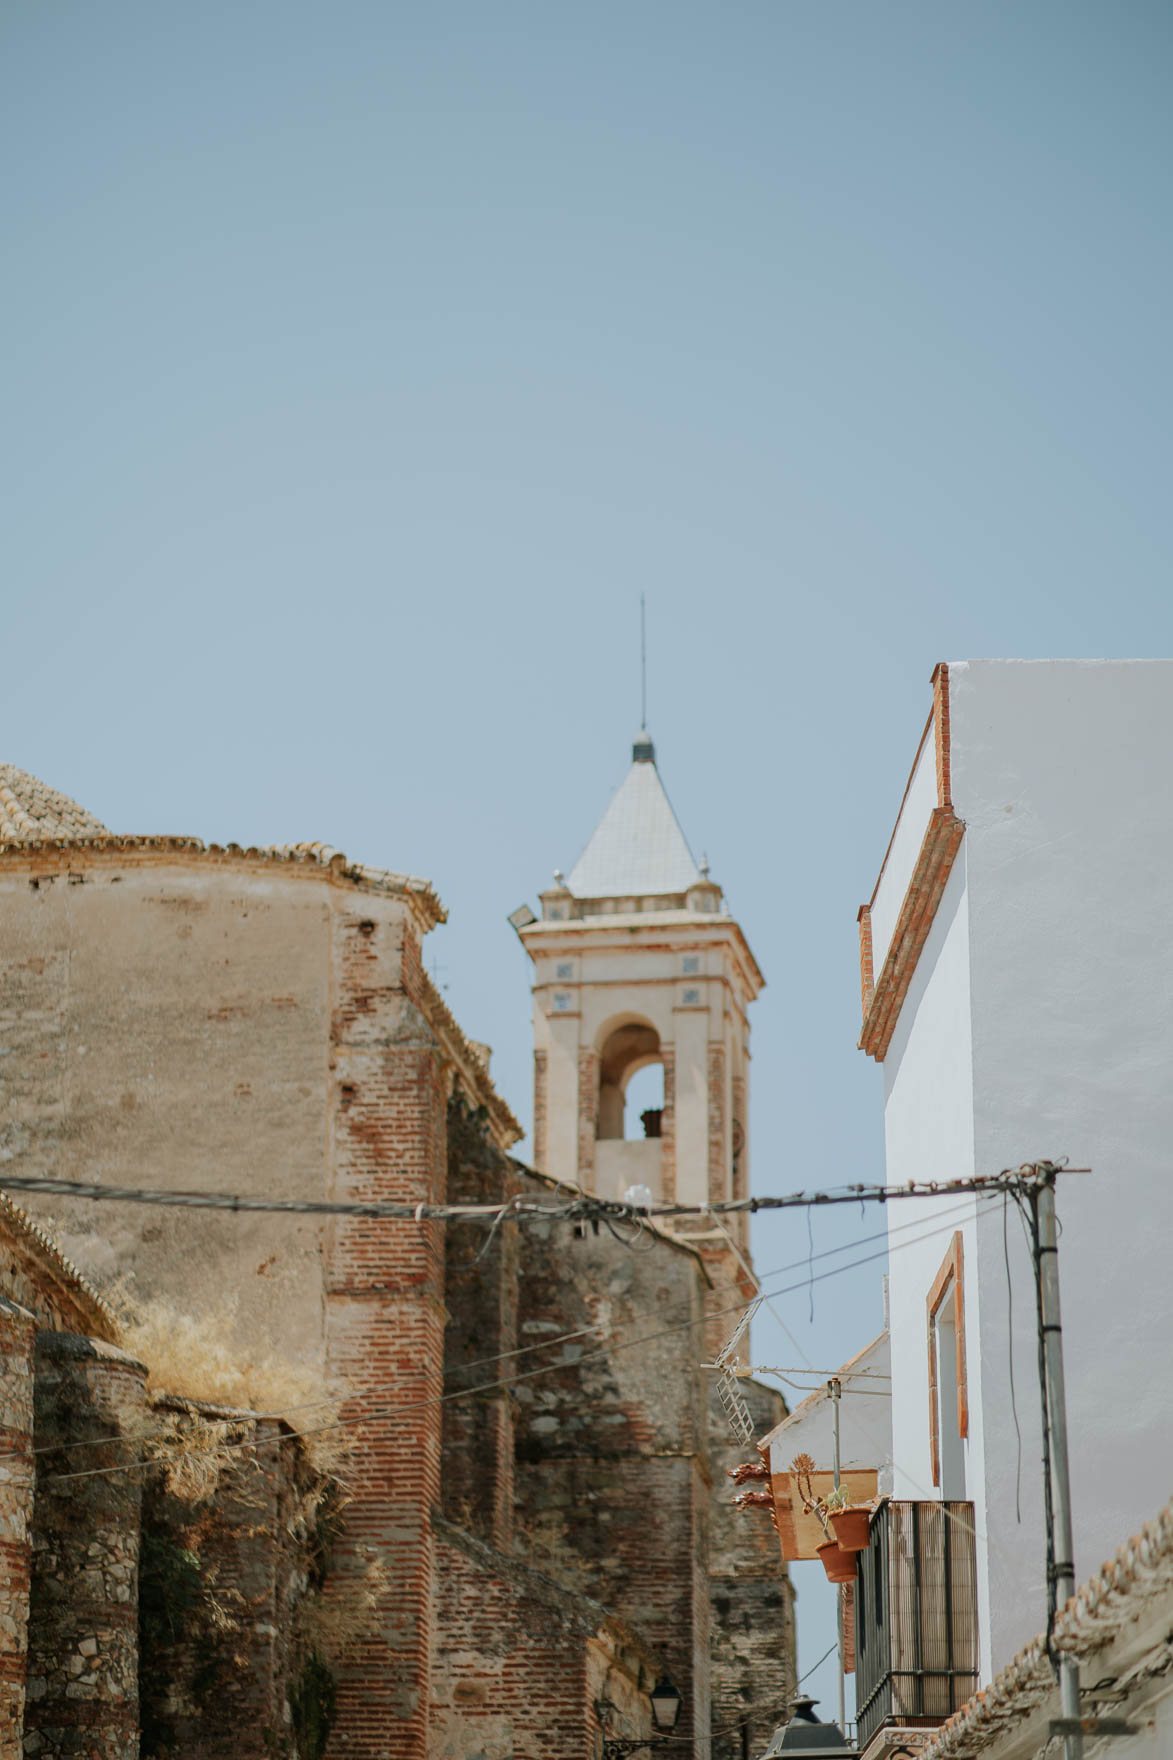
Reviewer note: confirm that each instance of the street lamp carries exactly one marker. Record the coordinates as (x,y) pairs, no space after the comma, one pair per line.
(806,1737)
(665,1702)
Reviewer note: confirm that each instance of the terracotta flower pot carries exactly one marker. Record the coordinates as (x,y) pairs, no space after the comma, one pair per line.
(839,1565)
(851,1527)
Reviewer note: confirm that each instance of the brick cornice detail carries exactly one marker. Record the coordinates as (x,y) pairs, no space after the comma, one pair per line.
(883,997)
(934,864)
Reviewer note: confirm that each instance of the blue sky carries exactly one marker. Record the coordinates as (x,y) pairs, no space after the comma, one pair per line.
(365,363)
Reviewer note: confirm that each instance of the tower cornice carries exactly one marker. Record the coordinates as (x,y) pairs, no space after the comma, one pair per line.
(649,932)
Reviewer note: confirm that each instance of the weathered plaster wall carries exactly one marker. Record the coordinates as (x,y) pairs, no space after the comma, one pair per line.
(168,1025)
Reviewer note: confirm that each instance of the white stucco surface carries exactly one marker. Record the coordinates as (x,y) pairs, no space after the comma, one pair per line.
(865,1419)
(1040,1025)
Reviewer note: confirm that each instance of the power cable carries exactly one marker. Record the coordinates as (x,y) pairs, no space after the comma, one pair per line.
(583,1208)
(391,1412)
(590,1331)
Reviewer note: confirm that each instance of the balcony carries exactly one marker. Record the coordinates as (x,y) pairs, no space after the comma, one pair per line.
(916,1637)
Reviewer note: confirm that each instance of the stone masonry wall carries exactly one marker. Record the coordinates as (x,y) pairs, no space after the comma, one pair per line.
(752,1597)
(480,1293)
(222,1566)
(612,1474)
(18,1330)
(82,1689)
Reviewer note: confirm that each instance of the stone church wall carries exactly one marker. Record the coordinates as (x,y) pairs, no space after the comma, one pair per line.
(754,1646)
(167,1025)
(212,1024)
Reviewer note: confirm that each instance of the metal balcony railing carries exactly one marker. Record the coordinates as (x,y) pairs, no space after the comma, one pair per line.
(916,1637)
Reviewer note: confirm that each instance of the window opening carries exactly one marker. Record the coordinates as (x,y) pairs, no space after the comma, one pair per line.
(948,1396)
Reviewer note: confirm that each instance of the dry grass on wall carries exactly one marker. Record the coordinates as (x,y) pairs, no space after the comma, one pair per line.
(198,1357)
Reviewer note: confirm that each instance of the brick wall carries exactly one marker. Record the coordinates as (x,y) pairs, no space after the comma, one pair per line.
(385,1313)
(512,1674)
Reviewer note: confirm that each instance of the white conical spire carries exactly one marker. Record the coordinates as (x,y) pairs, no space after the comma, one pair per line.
(637,848)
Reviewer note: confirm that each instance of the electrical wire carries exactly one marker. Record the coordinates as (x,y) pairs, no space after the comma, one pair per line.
(590,1331)
(584,1207)
(381,1414)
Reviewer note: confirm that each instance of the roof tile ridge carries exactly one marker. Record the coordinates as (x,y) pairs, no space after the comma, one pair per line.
(321,855)
(44,1244)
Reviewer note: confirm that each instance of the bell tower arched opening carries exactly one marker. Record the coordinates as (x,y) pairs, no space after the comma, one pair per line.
(643,1101)
(628,1051)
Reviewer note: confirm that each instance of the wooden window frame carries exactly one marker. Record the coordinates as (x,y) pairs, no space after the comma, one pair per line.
(948,1279)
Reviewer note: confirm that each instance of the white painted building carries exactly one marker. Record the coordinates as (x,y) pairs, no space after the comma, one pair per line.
(1017,975)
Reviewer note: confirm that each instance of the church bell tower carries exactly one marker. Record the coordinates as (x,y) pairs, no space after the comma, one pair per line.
(637,962)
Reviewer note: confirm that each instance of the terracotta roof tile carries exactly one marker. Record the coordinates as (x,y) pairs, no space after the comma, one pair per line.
(30,811)
(36,817)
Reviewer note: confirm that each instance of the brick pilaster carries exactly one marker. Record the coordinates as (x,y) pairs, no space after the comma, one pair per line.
(668,1128)
(718,1168)
(540,1111)
(588,1116)
(385,1318)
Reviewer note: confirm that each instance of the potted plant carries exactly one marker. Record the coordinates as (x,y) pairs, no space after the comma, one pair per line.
(850,1521)
(838,1564)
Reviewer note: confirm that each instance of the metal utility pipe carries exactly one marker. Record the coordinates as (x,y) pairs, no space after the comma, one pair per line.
(1062,1541)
